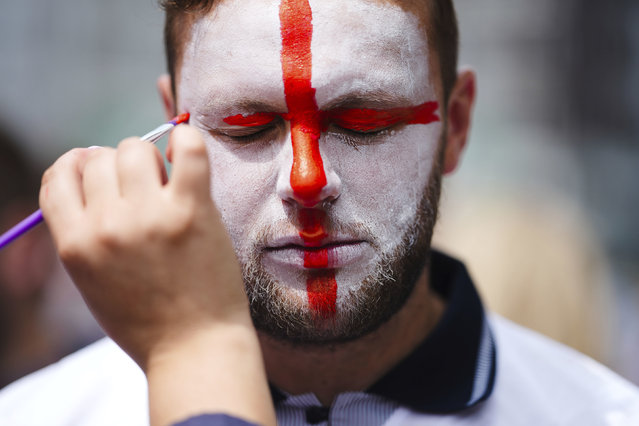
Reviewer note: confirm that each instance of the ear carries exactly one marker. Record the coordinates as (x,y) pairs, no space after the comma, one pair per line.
(459,114)
(166,94)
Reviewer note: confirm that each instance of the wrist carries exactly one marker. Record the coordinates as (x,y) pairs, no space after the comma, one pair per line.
(190,375)
(200,342)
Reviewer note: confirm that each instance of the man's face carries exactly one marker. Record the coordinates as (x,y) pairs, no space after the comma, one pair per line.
(323,131)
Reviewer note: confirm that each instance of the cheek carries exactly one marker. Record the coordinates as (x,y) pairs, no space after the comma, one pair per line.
(241,190)
(386,181)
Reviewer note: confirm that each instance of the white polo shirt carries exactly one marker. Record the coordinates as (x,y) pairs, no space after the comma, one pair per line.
(457,376)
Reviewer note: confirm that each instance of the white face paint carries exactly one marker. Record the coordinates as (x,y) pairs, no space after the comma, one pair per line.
(364,55)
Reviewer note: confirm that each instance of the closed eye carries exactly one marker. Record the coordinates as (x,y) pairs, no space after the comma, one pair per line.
(360,131)
(249,128)
(246,134)
(365,120)
(357,138)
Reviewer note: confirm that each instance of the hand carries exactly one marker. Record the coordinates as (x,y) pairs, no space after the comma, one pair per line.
(150,256)
(154,263)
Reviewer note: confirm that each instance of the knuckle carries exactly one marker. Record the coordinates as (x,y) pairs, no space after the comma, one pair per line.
(108,234)
(129,142)
(62,162)
(72,250)
(180,223)
(108,238)
(75,152)
(75,156)
(99,152)
(197,149)
(47,176)
(192,146)
(131,150)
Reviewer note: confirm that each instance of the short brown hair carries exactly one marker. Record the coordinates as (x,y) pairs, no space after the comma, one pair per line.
(442,32)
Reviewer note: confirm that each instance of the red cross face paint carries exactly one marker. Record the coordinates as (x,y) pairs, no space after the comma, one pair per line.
(306,125)
(322,125)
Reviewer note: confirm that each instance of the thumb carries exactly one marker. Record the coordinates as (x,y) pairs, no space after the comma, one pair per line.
(188,155)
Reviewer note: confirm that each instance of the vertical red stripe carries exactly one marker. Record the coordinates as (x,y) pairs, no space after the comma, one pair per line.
(307,173)
(322,294)
(321,288)
(312,228)
(307,122)
(316,258)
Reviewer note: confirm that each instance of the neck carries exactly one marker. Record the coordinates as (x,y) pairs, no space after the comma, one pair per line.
(353,366)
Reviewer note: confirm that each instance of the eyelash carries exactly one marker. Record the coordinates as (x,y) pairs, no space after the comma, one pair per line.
(251,137)
(260,134)
(351,137)
(355,138)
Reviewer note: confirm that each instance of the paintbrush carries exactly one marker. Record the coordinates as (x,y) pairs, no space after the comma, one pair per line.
(36,217)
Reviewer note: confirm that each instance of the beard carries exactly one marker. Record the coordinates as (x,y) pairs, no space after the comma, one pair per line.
(364,308)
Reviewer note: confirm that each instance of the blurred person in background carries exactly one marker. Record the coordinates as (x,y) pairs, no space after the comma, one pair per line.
(42,317)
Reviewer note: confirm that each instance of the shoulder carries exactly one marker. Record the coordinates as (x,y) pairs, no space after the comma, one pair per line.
(541,382)
(98,385)
(538,376)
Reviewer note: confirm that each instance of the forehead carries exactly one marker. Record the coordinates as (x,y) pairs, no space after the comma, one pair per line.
(356,46)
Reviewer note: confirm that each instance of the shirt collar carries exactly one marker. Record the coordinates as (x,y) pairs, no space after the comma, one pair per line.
(454,368)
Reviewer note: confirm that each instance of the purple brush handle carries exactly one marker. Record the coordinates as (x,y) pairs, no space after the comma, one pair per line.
(22,227)
(36,216)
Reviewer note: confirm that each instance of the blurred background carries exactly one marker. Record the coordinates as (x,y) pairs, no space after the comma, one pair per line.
(543,208)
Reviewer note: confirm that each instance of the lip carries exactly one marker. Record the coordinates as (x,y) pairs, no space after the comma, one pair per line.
(336,253)
(298,241)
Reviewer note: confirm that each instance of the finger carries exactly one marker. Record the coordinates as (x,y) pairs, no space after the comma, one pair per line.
(190,171)
(61,193)
(99,179)
(140,168)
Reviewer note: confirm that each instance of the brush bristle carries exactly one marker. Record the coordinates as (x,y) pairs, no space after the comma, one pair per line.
(182,118)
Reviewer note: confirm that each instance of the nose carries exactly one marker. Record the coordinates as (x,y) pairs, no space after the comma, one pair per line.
(307,178)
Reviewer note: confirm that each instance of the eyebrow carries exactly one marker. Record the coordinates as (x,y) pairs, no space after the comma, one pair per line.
(374,99)
(242,105)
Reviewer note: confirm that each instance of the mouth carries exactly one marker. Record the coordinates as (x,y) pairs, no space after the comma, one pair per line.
(329,255)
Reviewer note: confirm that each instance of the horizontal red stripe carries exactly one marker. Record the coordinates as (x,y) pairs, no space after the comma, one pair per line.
(366,120)
(357,119)
(252,120)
